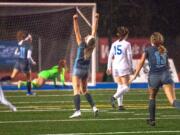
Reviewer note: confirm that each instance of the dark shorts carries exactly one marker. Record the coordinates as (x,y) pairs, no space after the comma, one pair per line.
(156,81)
(81,73)
(23,65)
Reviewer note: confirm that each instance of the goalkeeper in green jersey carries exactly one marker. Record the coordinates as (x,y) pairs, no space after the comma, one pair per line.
(56,73)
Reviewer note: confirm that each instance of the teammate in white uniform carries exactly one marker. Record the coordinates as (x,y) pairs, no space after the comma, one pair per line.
(5,102)
(120,65)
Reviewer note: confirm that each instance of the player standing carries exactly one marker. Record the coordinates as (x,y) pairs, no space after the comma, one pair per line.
(120,65)
(24,61)
(159,74)
(82,64)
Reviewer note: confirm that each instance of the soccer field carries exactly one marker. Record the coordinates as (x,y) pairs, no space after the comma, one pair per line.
(48,112)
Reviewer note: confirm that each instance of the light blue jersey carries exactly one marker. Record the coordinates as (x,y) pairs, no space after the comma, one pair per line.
(23,50)
(81,66)
(157,62)
(159,73)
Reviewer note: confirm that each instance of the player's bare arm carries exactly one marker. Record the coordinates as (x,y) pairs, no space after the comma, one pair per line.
(76,29)
(95,25)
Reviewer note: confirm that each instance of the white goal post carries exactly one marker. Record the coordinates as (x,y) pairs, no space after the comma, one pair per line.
(48,29)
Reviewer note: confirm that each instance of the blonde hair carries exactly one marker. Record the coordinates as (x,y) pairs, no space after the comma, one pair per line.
(158,40)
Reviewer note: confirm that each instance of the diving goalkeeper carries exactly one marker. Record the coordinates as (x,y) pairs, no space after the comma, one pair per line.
(56,73)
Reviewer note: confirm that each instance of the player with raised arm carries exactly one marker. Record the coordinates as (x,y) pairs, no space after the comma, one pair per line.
(120,65)
(56,73)
(82,64)
(24,61)
(159,74)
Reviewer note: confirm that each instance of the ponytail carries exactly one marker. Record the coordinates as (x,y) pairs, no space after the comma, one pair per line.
(162,49)
(158,40)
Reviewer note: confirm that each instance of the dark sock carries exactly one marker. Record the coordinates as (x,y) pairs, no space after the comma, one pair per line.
(29,87)
(77,102)
(152,109)
(176,104)
(89,99)
(5,78)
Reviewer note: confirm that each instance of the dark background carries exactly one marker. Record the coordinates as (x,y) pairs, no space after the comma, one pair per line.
(142,17)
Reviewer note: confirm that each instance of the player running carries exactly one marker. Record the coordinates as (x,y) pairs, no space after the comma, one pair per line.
(56,73)
(120,65)
(82,64)
(159,74)
(24,61)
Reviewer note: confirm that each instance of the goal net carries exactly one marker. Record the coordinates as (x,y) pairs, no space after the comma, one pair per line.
(51,26)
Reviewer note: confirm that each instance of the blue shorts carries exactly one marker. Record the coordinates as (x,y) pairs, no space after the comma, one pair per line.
(81,73)
(23,65)
(155,81)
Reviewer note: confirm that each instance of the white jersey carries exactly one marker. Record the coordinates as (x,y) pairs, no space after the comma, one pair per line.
(120,57)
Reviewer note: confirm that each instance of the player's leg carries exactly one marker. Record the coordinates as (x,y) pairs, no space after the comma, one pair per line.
(34,83)
(120,103)
(88,96)
(21,83)
(8,78)
(62,78)
(152,106)
(40,81)
(76,88)
(122,88)
(29,85)
(154,82)
(168,88)
(5,102)
(170,94)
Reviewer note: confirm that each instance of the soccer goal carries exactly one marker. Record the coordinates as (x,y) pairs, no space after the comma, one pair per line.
(51,26)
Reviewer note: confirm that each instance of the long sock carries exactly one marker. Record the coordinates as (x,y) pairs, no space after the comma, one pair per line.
(152,109)
(89,99)
(120,100)
(5,78)
(176,104)
(121,90)
(77,102)
(29,87)
(3,100)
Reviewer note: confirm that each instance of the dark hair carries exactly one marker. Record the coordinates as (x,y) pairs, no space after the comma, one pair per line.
(122,32)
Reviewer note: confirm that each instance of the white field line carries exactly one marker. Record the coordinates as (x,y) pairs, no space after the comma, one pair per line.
(82,120)
(83,101)
(117,133)
(70,94)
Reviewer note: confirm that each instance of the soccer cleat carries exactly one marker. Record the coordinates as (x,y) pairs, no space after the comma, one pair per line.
(151,122)
(121,108)
(176,104)
(30,94)
(13,108)
(113,102)
(76,114)
(95,111)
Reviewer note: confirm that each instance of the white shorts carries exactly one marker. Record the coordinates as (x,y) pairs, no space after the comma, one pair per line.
(120,72)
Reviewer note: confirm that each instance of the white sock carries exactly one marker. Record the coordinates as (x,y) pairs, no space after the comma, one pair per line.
(3,100)
(120,100)
(121,91)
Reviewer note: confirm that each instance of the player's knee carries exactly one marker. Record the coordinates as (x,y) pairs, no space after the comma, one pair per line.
(125,88)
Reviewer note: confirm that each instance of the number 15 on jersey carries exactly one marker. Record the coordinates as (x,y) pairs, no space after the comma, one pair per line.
(117,50)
